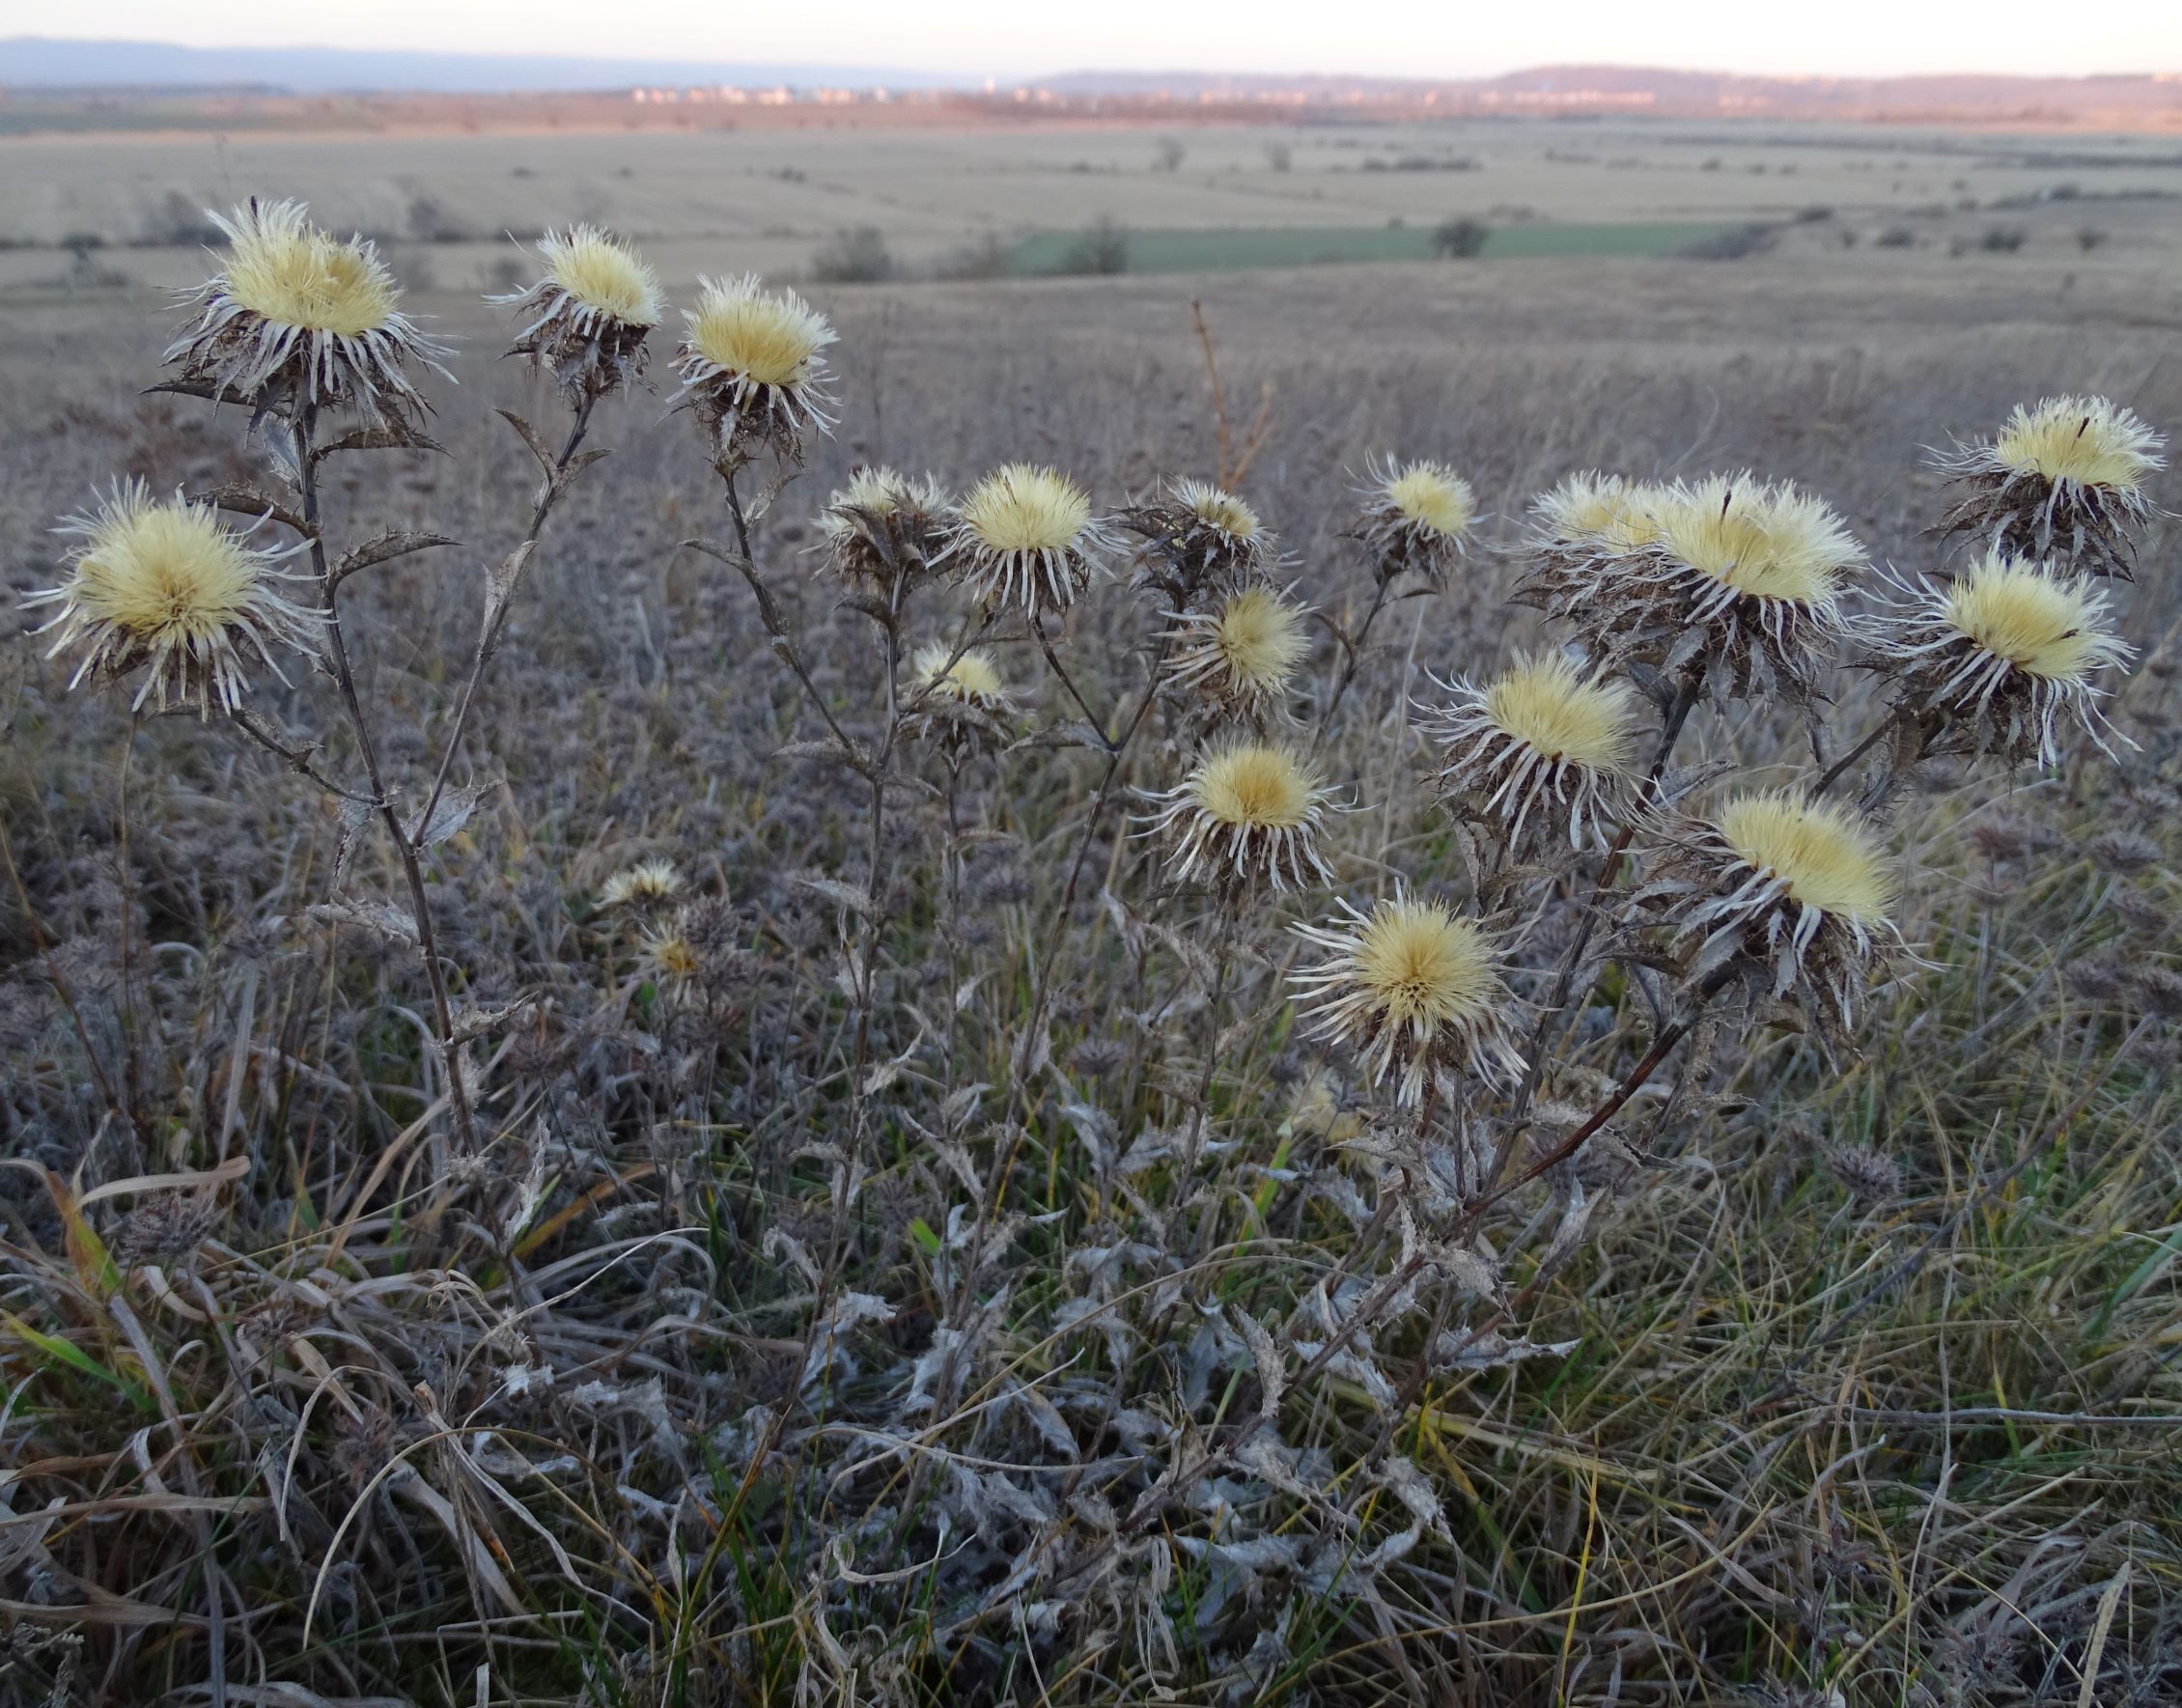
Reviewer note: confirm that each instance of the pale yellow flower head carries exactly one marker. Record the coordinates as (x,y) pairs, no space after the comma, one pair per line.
(1762,542)
(296,315)
(1255,786)
(1599,509)
(648,881)
(974,677)
(282,268)
(1414,988)
(1218,508)
(167,584)
(1425,967)
(1025,537)
(1562,714)
(767,337)
(2088,440)
(1820,852)
(1432,496)
(1020,507)
(1242,653)
(605,274)
(2050,626)
(1247,811)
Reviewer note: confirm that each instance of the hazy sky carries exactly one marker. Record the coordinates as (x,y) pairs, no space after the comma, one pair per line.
(1017,38)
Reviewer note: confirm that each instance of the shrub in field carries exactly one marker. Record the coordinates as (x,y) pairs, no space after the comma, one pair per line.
(1091,1244)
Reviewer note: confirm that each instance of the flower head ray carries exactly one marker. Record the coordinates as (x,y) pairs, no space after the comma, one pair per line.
(1541,752)
(167,585)
(753,367)
(1999,656)
(588,316)
(1248,812)
(1027,538)
(295,316)
(1416,990)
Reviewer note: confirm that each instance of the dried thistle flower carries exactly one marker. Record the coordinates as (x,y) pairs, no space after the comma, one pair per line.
(753,369)
(1416,990)
(1541,752)
(670,960)
(1414,517)
(1240,657)
(1869,1175)
(1798,887)
(1593,512)
(1997,655)
(1027,538)
(1248,812)
(2123,850)
(885,528)
(646,883)
(295,316)
(1198,537)
(2159,990)
(1740,579)
(2065,477)
(166,584)
(588,316)
(962,703)
(165,1227)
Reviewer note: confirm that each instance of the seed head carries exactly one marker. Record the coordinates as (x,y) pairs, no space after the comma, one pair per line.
(2065,477)
(1242,655)
(168,585)
(961,703)
(1869,1174)
(885,528)
(296,316)
(671,959)
(1796,888)
(1731,575)
(1027,538)
(648,882)
(1416,990)
(1198,537)
(1248,812)
(1592,511)
(1997,657)
(1414,516)
(1541,753)
(972,678)
(588,316)
(753,368)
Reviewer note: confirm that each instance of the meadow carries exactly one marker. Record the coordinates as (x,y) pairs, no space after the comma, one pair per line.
(924,1251)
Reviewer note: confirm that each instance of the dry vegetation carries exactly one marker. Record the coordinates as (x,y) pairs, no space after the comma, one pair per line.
(909,1247)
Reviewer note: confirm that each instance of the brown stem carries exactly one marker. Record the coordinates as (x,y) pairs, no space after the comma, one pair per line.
(497,620)
(1836,770)
(304,425)
(1355,646)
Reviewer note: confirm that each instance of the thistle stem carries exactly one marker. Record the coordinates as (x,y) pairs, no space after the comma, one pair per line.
(304,425)
(496,621)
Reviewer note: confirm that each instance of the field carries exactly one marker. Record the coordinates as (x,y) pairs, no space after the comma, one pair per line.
(729,200)
(930,1258)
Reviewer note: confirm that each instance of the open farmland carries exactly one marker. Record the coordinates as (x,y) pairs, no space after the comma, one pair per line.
(927,1257)
(770,200)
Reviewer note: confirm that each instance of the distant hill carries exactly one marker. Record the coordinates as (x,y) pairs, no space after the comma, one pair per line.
(2136,99)
(37,62)
(44,65)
